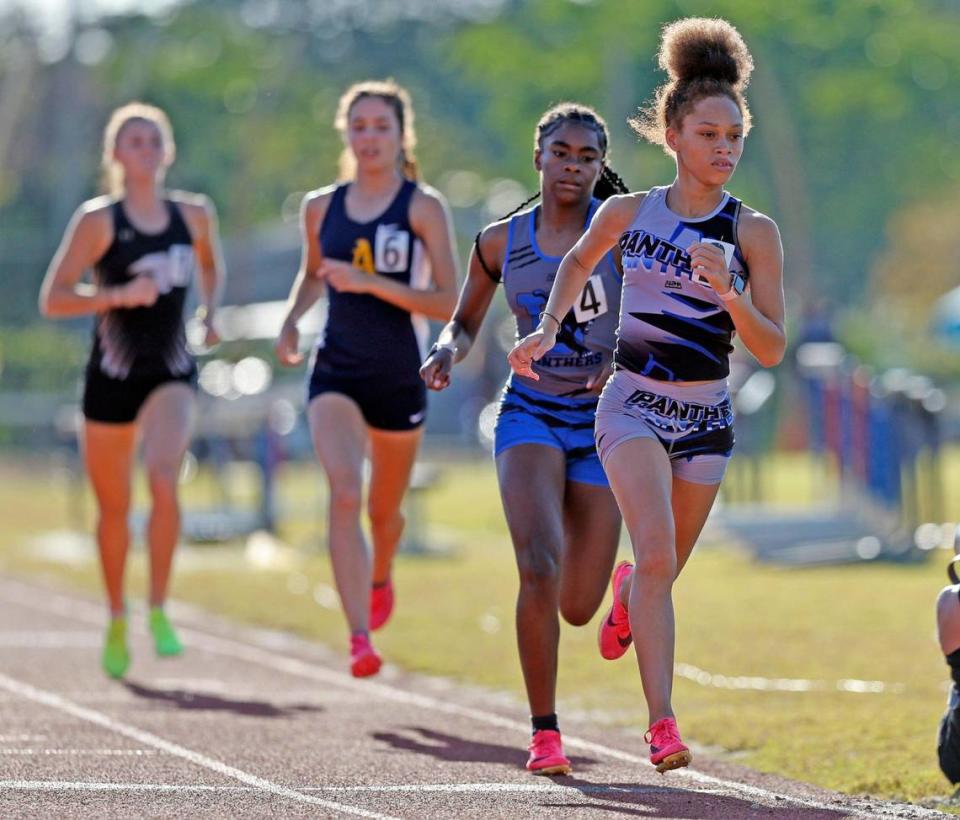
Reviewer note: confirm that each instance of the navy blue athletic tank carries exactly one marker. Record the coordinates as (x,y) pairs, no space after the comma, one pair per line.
(145,341)
(364,335)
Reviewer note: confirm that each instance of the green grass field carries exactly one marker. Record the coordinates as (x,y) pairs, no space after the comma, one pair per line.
(735,617)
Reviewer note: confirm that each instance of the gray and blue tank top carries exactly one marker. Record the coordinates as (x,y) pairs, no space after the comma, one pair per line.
(586,338)
(673,325)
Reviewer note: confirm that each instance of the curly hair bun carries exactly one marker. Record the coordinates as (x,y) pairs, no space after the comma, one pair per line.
(705,48)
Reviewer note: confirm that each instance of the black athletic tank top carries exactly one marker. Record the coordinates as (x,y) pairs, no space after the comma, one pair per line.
(145,341)
(366,336)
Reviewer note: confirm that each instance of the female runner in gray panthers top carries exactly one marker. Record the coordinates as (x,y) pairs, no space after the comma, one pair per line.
(699,266)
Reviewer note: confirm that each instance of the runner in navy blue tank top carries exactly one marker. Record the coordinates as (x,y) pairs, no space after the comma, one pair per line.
(380,245)
(144,246)
(664,424)
(565,525)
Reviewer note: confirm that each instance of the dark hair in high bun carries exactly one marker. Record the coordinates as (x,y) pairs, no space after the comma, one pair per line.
(703,57)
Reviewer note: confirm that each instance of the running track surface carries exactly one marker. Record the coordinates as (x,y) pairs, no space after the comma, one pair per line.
(251,723)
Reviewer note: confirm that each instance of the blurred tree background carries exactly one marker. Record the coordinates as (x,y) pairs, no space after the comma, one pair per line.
(854,151)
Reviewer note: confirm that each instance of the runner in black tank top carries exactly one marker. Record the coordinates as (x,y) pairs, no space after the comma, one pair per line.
(366,337)
(367,242)
(144,248)
(135,350)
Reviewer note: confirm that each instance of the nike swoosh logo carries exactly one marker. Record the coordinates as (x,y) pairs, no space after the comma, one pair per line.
(416,418)
(624,642)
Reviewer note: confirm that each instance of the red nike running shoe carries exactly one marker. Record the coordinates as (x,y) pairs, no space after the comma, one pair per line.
(667,751)
(546,754)
(364,660)
(614,635)
(381,604)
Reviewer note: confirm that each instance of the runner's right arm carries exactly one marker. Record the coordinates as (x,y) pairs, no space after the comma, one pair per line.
(307,288)
(459,334)
(87,238)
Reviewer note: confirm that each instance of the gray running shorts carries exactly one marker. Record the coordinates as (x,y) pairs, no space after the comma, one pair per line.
(694,423)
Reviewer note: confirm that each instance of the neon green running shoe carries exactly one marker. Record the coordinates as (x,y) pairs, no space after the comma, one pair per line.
(164,637)
(116,657)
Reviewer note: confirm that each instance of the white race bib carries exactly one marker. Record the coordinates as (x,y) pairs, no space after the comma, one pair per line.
(727,249)
(172,268)
(391,249)
(592,301)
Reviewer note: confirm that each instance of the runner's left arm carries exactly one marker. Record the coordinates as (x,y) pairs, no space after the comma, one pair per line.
(211,269)
(758,315)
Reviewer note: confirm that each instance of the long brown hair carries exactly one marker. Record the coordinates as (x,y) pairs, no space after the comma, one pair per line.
(395,96)
(111,172)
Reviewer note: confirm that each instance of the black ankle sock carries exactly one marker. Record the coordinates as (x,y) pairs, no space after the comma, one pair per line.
(541,722)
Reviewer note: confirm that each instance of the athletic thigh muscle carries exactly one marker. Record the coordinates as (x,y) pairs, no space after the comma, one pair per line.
(531,479)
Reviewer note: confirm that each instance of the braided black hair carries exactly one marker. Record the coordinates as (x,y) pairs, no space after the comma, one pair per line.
(608,183)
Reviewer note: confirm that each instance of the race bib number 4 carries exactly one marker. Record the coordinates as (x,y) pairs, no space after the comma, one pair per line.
(592,301)
(391,249)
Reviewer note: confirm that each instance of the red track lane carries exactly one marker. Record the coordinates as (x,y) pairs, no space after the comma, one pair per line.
(251,723)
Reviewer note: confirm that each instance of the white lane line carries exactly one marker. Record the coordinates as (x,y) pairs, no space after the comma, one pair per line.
(484,788)
(26,595)
(443,788)
(70,752)
(149,739)
(69,785)
(21,738)
(12,639)
(760,684)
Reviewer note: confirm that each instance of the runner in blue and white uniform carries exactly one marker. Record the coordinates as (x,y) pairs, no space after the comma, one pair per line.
(563,519)
(699,266)
(380,244)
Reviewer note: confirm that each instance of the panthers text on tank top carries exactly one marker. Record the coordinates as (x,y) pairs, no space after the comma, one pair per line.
(366,336)
(586,338)
(673,325)
(145,341)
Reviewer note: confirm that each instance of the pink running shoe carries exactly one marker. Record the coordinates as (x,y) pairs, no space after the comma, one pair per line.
(364,660)
(667,751)
(546,754)
(381,604)
(614,634)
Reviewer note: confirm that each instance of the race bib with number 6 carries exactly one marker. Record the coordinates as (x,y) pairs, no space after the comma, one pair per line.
(391,249)
(592,301)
